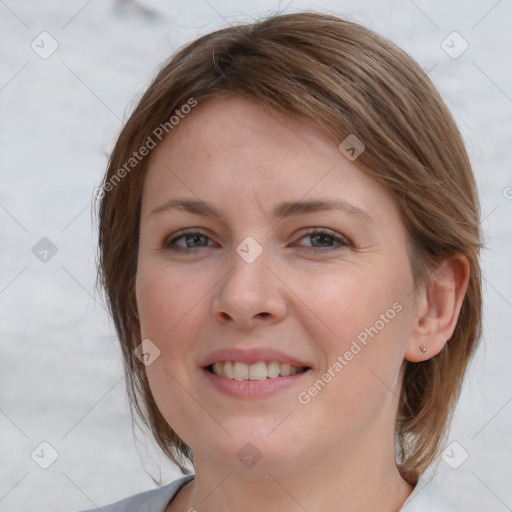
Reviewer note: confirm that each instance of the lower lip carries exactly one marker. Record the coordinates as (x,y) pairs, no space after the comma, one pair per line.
(249,389)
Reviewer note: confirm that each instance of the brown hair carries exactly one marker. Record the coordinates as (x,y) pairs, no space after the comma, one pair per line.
(348,80)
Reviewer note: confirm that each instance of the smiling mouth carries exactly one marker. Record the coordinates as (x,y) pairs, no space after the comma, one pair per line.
(262,370)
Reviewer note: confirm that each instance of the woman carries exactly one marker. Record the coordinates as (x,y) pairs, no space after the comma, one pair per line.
(289,240)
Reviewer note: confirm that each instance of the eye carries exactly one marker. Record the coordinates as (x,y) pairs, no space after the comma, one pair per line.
(191,240)
(323,238)
(320,238)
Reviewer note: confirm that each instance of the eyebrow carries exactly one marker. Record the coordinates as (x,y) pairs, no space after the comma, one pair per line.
(281,210)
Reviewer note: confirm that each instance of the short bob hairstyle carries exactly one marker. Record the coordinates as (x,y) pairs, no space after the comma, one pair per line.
(345,79)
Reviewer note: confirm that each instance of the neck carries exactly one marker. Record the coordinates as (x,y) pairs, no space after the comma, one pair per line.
(337,481)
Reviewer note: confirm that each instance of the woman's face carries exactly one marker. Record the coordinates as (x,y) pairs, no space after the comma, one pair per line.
(291,255)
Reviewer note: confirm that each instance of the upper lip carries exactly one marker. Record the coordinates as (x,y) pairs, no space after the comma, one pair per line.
(250,356)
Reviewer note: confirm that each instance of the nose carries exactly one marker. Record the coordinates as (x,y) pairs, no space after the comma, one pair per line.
(251,293)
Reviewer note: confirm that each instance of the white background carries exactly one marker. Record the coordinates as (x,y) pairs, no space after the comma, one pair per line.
(60,365)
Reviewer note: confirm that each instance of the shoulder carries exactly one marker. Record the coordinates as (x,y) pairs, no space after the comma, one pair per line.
(427,498)
(155,500)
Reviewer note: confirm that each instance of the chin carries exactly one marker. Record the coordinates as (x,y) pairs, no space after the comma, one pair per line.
(252,448)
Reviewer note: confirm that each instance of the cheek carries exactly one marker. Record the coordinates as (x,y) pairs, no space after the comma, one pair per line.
(169,309)
(170,312)
(349,302)
(164,302)
(362,332)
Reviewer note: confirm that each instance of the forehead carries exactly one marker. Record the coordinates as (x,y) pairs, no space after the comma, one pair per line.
(235,126)
(233,146)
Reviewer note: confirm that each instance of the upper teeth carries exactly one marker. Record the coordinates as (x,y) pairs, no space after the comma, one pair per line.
(257,371)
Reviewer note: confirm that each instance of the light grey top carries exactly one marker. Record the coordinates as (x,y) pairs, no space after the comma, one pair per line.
(424,498)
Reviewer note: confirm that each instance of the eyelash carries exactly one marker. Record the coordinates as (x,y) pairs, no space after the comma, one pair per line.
(342,241)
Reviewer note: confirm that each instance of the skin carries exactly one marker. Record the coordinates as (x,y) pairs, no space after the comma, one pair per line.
(335,453)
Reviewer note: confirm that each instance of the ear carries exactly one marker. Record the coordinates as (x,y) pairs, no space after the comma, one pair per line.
(437,308)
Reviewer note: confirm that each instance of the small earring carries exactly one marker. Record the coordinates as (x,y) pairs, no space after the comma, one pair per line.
(422,348)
